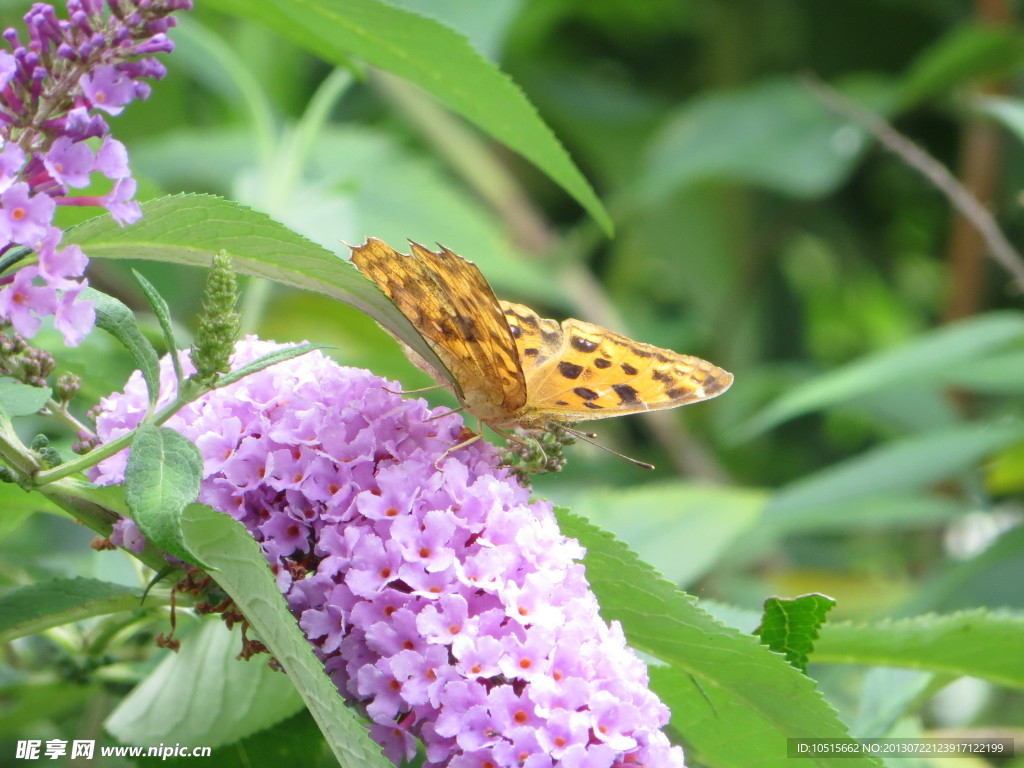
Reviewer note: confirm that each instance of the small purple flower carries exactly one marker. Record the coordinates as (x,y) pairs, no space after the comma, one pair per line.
(73,316)
(12,158)
(442,600)
(25,218)
(119,201)
(23,299)
(127,534)
(69,162)
(112,159)
(107,89)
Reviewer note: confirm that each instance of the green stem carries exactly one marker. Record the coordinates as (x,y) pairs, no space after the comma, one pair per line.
(296,150)
(14,452)
(61,413)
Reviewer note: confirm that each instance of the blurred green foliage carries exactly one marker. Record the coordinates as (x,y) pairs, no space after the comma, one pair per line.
(872,447)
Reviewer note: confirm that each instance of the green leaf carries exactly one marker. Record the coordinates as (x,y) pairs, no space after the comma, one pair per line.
(887,510)
(437,59)
(886,696)
(18,399)
(163,316)
(1007,110)
(265,361)
(679,528)
(925,359)
(961,56)
(976,643)
(189,229)
(205,673)
(161,479)
(893,468)
(773,134)
(114,317)
(790,626)
(245,575)
(720,683)
(295,741)
(28,610)
(18,505)
(32,702)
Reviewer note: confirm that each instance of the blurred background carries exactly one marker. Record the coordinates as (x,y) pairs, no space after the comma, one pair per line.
(871,447)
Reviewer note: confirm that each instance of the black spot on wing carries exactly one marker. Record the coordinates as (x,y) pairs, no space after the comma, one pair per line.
(570,370)
(664,377)
(585,393)
(629,370)
(678,393)
(529,320)
(531,351)
(582,345)
(625,392)
(602,363)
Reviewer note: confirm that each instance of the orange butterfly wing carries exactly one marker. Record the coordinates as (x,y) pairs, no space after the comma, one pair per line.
(578,371)
(449,302)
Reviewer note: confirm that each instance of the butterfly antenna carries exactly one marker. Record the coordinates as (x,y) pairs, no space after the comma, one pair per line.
(587,437)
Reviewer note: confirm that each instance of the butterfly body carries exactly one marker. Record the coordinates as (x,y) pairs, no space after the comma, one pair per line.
(513,369)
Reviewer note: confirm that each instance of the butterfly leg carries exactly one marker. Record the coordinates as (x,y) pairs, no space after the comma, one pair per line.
(413,391)
(469,441)
(460,409)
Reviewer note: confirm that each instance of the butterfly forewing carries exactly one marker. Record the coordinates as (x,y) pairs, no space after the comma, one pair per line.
(450,303)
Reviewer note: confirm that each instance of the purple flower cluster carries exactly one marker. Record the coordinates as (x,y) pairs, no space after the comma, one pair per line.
(441,599)
(52,89)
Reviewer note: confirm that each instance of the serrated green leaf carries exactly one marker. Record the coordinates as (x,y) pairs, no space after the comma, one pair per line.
(205,673)
(437,59)
(790,625)
(267,360)
(31,609)
(925,359)
(719,683)
(189,229)
(162,477)
(114,317)
(245,575)
(163,316)
(976,643)
(18,399)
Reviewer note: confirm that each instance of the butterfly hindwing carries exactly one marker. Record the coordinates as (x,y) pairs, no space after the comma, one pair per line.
(594,373)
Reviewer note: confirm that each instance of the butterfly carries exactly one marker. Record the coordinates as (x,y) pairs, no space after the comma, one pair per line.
(513,369)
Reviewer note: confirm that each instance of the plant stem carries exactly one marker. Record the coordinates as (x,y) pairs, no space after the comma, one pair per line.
(61,413)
